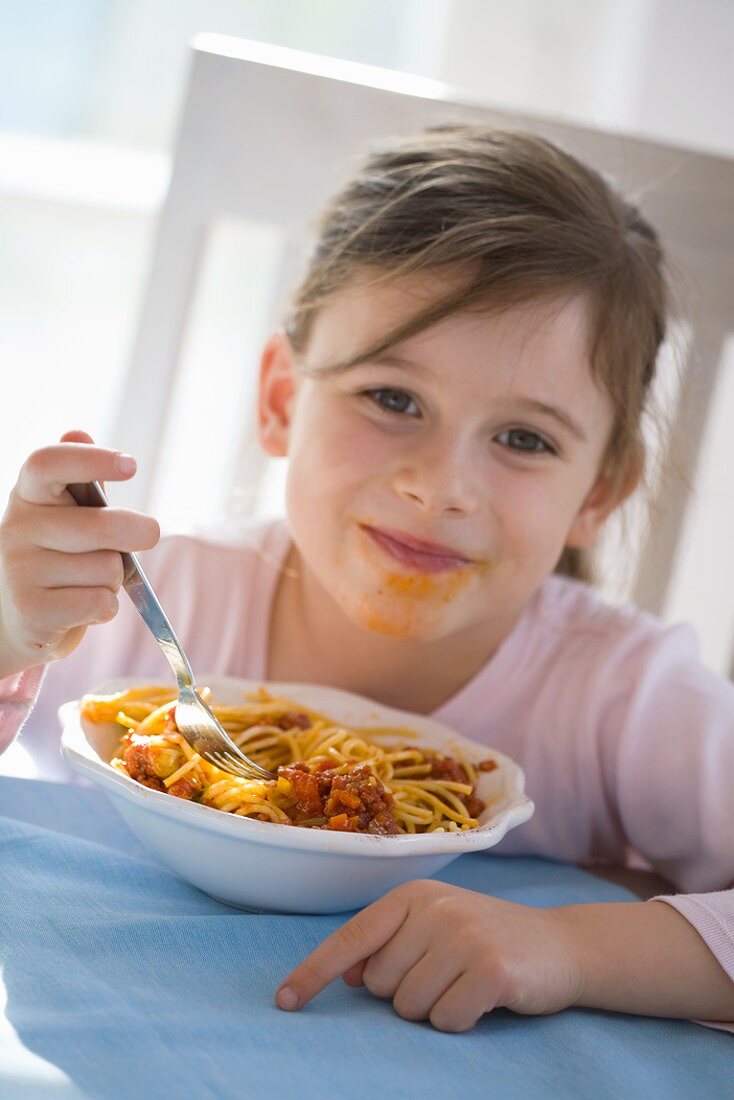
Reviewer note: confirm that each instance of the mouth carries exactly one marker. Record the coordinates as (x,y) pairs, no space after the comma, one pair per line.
(426,557)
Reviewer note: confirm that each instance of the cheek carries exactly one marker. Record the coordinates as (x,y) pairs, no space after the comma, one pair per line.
(332,448)
(331,457)
(533,510)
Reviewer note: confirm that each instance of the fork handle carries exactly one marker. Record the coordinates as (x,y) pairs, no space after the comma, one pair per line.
(139,589)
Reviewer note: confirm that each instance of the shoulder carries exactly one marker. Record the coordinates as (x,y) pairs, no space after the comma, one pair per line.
(621,657)
(575,625)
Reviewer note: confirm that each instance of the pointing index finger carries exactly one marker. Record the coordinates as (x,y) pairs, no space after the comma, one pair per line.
(354,941)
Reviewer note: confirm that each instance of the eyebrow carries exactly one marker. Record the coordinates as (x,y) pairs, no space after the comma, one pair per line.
(527,404)
(386,360)
(556,414)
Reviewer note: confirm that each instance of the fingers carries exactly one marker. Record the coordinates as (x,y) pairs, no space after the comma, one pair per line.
(75,530)
(54,593)
(50,614)
(385,970)
(51,569)
(356,940)
(420,988)
(441,952)
(462,1005)
(46,472)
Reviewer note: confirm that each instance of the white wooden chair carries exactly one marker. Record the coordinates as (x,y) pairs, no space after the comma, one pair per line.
(266,134)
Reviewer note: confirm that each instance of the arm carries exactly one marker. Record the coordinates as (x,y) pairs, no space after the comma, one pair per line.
(645,958)
(667,746)
(449,955)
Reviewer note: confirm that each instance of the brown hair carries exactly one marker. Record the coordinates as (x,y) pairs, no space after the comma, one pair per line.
(521,219)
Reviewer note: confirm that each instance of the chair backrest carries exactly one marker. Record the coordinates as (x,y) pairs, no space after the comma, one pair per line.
(266,133)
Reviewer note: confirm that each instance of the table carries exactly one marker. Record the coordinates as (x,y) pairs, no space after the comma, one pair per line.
(123,981)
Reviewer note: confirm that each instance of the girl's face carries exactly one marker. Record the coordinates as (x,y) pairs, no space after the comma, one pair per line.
(482,435)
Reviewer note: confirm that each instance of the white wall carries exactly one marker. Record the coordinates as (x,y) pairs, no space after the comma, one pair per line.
(660,69)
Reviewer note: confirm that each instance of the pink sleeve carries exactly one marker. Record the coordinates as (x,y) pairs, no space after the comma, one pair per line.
(712,915)
(672,747)
(18,695)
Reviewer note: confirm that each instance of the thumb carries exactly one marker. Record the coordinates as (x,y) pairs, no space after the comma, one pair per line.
(353,976)
(76,435)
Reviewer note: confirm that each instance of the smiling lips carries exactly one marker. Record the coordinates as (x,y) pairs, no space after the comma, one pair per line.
(426,557)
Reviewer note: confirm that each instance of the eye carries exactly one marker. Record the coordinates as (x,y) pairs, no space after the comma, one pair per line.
(523,441)
(391,401)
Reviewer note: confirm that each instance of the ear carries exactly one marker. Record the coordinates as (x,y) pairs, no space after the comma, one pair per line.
(605,496)
(276,396)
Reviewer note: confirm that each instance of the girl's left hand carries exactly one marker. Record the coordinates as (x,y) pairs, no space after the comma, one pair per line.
(446,955)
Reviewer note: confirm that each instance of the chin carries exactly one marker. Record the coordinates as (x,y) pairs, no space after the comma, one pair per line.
(403,622)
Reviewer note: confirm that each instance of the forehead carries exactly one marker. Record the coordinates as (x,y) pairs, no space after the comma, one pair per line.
(539,348)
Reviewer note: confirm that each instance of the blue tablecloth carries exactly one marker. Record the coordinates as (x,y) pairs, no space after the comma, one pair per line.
(123,981)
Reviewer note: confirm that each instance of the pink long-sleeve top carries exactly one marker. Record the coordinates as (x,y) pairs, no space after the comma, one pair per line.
(626,739)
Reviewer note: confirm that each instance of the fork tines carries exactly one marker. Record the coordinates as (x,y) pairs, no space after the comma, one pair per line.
(230,763)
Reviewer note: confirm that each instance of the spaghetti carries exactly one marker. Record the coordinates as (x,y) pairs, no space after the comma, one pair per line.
(329,776)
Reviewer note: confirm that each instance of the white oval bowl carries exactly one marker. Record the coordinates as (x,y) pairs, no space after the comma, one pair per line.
(257,865)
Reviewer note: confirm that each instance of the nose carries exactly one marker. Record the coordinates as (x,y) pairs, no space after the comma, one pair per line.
(440,477)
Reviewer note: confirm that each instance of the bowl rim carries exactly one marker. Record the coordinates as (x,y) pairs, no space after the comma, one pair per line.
(83,758)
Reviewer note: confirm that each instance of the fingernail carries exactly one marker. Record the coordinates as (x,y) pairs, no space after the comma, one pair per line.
(286,997)
(126,464)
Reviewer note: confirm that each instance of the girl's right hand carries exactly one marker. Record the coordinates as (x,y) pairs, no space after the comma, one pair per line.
(60,565)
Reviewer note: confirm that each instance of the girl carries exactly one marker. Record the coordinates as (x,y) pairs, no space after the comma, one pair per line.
(459,388)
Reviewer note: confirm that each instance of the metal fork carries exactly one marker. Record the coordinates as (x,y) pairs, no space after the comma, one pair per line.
(194,719)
